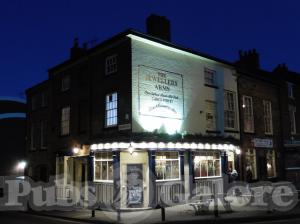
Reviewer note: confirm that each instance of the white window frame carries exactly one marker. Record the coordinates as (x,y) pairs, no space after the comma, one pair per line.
(248,113)
(211,109)
(292,115)
(290,87)
(65,83)
(165,159)
(111,110)
(230,107)
(65,118)
(205,154)
(111,64)
(101,160)
(210,77)
(268,120)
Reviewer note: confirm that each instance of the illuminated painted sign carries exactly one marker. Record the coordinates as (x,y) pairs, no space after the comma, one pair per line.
(160,93)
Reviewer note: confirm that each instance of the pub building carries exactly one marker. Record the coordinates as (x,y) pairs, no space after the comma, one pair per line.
(141,118)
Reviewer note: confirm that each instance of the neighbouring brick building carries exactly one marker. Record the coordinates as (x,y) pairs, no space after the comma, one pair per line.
(261,137)
(289,84)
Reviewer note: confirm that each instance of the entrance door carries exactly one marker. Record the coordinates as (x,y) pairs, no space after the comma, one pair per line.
(135,190)
(262,167)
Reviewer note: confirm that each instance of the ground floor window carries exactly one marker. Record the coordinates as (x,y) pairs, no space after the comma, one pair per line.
(103,166)
(207,164)
(271,165)
(250,161)
(167,165)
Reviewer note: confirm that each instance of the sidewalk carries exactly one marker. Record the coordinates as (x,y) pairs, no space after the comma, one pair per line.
(178,214)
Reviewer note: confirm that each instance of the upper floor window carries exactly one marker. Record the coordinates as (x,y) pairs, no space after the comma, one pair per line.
(44,134)
(167,165)
(44,99)
(290,87)
(103,164)
(65,121)
(211,115)
(207,164)
(229,110)
(111,110)
(65,83)
(210,77)
(292,113)
(111,65)
(34,102)
(248,114)
(268,117)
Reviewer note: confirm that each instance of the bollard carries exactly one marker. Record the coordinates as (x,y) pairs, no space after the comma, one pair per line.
(93,213)
(118,215)
(163,213)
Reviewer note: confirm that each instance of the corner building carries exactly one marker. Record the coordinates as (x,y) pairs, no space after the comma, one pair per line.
(143,119)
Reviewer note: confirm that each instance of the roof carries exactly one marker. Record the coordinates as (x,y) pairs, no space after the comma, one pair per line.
(125,34)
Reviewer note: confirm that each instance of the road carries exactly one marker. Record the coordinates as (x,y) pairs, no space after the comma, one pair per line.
(289,221)
(23,218)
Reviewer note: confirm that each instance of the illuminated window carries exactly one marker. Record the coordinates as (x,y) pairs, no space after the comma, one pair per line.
(65,83)
(209,77)
(268,117)
(231,162)
(111,65)
(167,166)
(292,112)
(250,161)
(271,165)
(103,164)
(290,88)
(211,115)
(248,114)
(65,121)
(111,115)
(207,164)
(229,110)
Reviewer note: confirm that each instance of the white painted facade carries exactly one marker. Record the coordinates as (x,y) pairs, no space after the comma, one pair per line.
(168,60)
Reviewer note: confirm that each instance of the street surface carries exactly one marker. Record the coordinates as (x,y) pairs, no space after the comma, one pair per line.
(289,221)
(22,218)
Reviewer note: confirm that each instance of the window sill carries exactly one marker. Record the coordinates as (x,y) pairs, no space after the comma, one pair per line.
(201,178)
(231,131)
(211,86)
(168,180)
(104,181)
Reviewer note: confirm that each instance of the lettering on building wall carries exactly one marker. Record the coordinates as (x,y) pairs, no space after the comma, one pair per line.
(160,93)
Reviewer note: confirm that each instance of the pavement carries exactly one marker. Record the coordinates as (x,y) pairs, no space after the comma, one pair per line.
(176,214)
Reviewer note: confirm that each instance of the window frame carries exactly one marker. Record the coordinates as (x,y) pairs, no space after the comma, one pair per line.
(271,153)
(213,113)
(290,88)
(105,160)
(248,113)
(111,64)
(44,134)
(63,86)
(111,113)
(292,116)
(210,77)
(63,121)
(267,107)
(179,165)
(251,154)
(206,154)
(227,109)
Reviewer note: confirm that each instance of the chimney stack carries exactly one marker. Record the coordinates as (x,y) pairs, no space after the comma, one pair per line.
(159,26)
(76,51)
(249,59)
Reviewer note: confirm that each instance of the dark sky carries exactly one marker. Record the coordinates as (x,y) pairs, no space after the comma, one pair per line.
(37,34)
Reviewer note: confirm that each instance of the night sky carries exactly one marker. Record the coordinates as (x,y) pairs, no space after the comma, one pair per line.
(36,35)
